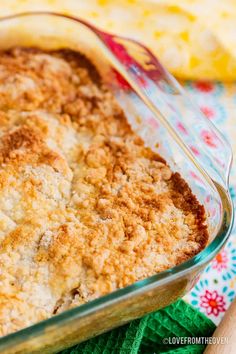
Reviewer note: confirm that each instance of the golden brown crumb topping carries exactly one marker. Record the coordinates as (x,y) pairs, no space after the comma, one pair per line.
(85,207)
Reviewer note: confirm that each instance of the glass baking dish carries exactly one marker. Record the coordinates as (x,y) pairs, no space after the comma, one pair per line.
(164,116)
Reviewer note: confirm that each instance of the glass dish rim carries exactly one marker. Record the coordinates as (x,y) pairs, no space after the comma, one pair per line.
(168,275)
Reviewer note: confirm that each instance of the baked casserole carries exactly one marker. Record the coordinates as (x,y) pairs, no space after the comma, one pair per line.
(85,207)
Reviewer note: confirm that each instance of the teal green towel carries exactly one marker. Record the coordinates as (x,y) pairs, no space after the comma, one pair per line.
(147,335)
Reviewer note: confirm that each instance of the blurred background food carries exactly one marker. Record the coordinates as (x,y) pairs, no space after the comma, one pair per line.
(195,39)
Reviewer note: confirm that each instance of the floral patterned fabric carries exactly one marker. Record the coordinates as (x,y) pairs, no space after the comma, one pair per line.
(217,286)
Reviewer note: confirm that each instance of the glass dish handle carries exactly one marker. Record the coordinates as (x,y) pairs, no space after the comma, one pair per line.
(198,137)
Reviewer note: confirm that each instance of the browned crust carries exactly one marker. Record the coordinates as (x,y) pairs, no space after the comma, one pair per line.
(85,207)
(188,202)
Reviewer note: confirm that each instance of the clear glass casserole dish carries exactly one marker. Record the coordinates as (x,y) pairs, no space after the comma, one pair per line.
(160,112)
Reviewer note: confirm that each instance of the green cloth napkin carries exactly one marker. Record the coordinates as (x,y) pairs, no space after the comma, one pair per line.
(146,335)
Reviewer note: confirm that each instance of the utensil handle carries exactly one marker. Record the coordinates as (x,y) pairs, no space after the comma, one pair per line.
(226,328)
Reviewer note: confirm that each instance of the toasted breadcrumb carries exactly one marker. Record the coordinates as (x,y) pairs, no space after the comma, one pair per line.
(85,207)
